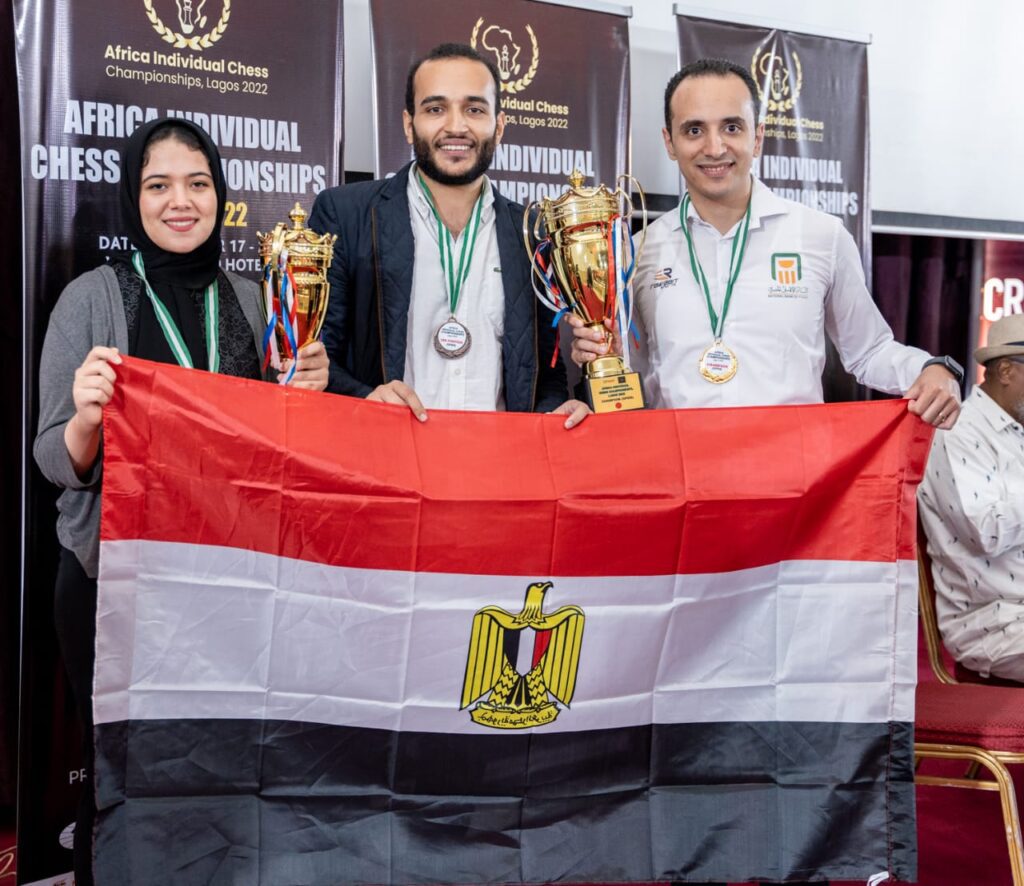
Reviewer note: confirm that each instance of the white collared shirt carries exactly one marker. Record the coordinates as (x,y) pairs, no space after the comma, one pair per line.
(776,328)
(972,507)
(475,380)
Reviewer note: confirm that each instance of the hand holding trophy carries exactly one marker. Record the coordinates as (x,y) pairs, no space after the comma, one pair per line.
(585,265)
(295,288)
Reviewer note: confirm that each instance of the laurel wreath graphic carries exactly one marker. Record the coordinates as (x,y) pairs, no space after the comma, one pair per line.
(527,78)
(180,41)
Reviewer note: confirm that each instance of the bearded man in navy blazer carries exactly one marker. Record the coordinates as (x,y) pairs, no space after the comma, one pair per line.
(431,301)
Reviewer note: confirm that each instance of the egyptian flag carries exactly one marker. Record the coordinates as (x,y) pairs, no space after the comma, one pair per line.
(338,646)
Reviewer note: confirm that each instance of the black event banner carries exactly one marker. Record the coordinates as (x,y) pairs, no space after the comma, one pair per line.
(265,80)
(814,104)
(564,85)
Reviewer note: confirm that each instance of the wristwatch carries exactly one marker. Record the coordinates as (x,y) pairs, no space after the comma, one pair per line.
(949,363)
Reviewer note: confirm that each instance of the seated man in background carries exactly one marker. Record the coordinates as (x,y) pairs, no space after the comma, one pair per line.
(972,507)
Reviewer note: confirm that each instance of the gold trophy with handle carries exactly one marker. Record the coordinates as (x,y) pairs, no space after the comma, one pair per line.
(585,260)
(295,261)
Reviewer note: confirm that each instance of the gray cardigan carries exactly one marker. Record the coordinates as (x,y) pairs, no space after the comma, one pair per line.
(90,312)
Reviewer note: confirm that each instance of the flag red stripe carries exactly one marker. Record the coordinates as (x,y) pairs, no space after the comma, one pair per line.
(541,641)
(343,481)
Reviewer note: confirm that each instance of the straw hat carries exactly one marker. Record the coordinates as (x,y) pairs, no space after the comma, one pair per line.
(1005,339)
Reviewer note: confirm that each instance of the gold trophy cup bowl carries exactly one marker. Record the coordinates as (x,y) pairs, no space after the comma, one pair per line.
(582,255)
(295,261)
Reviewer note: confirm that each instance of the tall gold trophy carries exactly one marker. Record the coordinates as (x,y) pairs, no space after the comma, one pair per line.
(585,264)
(295,288)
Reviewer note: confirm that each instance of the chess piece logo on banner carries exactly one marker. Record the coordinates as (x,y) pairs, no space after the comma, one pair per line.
(524,681)
(192,17)
(500,43)
(778,83)
(505,49)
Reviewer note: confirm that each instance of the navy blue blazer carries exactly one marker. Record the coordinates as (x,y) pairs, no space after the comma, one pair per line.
(371,285)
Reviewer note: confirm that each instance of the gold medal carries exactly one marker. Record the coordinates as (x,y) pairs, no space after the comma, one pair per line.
(718,363)
(452,339)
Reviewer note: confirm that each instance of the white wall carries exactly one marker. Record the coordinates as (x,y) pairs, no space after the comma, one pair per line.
(947,95)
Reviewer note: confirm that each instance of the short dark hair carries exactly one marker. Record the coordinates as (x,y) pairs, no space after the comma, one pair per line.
(176,131)
(445,51)
(710,67)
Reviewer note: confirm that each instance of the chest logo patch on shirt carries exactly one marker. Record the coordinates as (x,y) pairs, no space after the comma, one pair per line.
(786,268)
(786,273)
(664,277)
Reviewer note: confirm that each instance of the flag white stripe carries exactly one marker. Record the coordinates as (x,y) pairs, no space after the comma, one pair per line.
(191,631)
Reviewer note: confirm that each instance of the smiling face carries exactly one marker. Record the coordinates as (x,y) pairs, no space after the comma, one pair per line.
(177,198)
(454,129)
(714,138)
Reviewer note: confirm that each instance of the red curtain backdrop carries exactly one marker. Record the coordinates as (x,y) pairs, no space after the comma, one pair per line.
(923,287)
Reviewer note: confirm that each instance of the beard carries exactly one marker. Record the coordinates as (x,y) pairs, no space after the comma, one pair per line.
(425,161)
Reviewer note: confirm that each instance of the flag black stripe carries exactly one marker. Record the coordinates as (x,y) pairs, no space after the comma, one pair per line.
(197,801)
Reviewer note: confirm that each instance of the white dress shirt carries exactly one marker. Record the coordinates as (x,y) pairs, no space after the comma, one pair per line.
(474,380)
(972,507)
(776,329)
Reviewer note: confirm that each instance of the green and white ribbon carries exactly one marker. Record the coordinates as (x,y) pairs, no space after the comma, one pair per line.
(739,247)
(170,328)
(455,276)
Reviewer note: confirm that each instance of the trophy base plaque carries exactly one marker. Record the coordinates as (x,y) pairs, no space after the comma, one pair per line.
(620,392)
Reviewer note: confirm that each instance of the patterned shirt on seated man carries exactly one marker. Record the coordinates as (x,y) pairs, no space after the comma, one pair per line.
(972,507)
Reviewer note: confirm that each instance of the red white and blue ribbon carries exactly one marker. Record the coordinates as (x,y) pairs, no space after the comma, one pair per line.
(282,306)
(270,354)
(551,297)
(621,239)
(289,313)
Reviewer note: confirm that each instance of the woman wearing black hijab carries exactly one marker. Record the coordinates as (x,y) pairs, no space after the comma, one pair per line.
(168,301)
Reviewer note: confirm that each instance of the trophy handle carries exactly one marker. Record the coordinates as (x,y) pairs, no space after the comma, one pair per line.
(526,228)
(531,248)
(273,261)
(631,180)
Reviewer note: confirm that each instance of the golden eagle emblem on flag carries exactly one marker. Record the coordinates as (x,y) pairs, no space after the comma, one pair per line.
(519,694)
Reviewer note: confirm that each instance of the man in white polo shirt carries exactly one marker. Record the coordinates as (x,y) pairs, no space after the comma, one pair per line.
(737,287)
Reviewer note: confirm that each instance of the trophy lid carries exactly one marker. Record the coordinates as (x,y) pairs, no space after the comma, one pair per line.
(579,205)
(298,217)
(301,242)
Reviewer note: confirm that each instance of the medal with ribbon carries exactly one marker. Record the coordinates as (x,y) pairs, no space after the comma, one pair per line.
(452,338)
(170,328)
(718,363)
